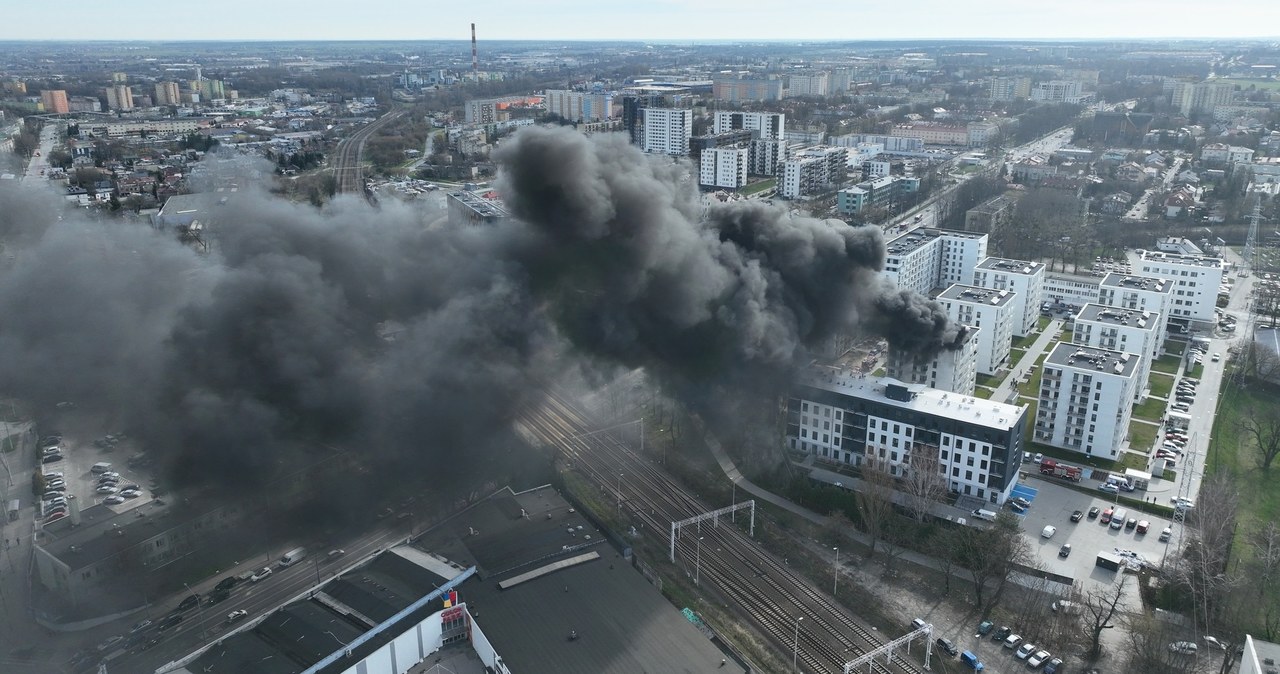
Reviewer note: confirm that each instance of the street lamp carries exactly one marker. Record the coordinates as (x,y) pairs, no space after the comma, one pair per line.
(795,651)
(835,580)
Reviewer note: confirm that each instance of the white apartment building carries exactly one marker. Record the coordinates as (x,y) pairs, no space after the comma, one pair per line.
(766,155)
(954,370)
(763,125)
(1139,293)
(155,127)
(667,130)
(1009,88)
(1022,277)
(992,313)
(1056,91)
(842,418)
(924,259)
(579,106)
(812,170)
(724,167)
(1086,399)
(1126,330)
(1070,288)
(808,84)
(1194,282)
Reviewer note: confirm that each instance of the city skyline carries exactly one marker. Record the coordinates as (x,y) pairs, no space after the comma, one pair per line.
(661,20)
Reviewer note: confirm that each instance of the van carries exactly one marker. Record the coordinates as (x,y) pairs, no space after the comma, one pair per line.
(971,661)
(985,515)
(293,556)
(1166,535)
(100,467)
(1118,518)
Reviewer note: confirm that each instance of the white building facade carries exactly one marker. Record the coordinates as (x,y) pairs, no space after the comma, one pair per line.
(667,130)
(1139,293)
(724,167)
(763,125)
(954,370)
(1126,330)
(992,313)
(1086,400)
(1194,282)
(924,259)
(1026,279)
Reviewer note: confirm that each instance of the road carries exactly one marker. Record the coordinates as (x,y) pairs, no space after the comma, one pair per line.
(797,618)
(347,161)
(38,165)
(1141,206)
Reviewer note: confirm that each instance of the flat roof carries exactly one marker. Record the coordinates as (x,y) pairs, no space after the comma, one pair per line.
(1131,282)
(1093,358)
(489,208)
(1175,258)
(977,295)
(913,240)
(1011,266)
(103,532)
(936,402)
(1120,317)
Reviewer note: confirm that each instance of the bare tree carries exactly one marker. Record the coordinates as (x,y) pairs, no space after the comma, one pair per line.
(991,554)
(1149,652)
(1259,362)
(1202,568)
(1264,543)
(923,485)
(1261,424)
(942,547)
(875,499)
(1098,608)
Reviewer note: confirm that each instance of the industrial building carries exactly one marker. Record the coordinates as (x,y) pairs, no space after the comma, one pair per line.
(992,312)
(842,417)
(467,209)
(1086,399)
(924,259)
(954,370)
(1025,278)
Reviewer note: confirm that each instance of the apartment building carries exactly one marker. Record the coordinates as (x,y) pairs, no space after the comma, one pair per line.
(1126,330)
(981,134)
(667,130)
(1063,288)
(991,215)
(763,125)
(168,93)
(1056,91)
(1022,277)
(933,133)
(152,127)
(991,312)
(924,259)
(737,89)
(491,110)
(766,156)
(1016,88)
(55,101)
(812,171)
(808,84)
(843,418)
(724,167)
(882,192)
(954,370)
(1200,97)
(888,144)
(120,97)
(579,106)
(1194,282)
(1086,399)
(1139,293)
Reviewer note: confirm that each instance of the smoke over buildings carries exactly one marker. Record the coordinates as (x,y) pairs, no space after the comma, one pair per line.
(226,365)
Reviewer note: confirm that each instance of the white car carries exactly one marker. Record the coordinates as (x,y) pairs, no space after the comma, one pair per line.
(1039,658)
(260,574)
(107,489)
(1048,531)
(238,614)
(1217,357)
(1025,650)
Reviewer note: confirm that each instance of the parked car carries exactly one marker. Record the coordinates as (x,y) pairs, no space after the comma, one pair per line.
(947,647)
(1217,357)
(1065,550)
(1038,658)
(1143,526)
(1130,524)
(260,574)
(1048,531)
(1184,647)
(1106,515)
(107,489)
(1077,516)
(1012,641)
(1022,501)
(130,493)
(1093,512)
(1109,488)
(113,500)
(1025,650)
(1054,666)
(51,458)
(970,660)
(1002,633)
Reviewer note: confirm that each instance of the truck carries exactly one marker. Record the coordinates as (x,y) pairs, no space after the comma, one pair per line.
(1062,471)
(1109,561)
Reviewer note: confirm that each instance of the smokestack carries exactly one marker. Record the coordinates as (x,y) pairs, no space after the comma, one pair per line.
(475,59)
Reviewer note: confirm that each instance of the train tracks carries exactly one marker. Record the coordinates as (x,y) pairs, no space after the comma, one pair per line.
(348,156)
(820,635)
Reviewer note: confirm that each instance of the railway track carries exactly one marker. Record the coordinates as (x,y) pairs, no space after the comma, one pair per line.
(348,156)
(774,597)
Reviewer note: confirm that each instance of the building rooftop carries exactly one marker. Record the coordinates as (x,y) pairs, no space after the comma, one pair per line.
(1174,258)
(1093,358)
(919,398)
(1010,266)
(1114,316)
(103,532)
(976,295)
(1149,283)
(482,206)
(915,239)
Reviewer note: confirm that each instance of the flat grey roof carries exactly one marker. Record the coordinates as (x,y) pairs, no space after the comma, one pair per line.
(977,295)
(936,402)
(1174,258)
(1116,316)
(1092,358)
(103,532)
(1151,283)
(916,238)
(1011,266)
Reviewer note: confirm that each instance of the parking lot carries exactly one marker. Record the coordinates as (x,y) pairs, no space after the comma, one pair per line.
(81,483)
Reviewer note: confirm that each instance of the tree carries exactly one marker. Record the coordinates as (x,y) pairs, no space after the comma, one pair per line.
(922,484)
(1098,607)
(1264,543)
(1148,652)
(991,554)
(875,499)
(1261,425)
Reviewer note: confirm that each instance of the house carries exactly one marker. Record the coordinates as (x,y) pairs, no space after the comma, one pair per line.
(1155,159)
(1179,202)
(1131,172)
(1116,203)
(1187,177)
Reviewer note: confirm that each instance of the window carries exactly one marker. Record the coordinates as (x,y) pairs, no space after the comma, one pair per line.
(804,407)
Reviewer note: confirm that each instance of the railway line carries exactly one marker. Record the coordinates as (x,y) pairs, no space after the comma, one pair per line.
(348,156)
(821,635)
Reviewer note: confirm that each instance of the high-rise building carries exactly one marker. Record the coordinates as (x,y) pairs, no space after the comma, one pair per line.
(766,155)
(1130,331)
(1086,399)
(119,78)
(991,311)
(120,97)
(1022,277)
(724,167)
(737,89)
(579,106)
(55,101)
(812,170)
(1056,91)
(924,259)
(1200,97)
(1194,283)
(1009,88)
(667,130)
(954,370)
(764,125)
(882,192)
(168,93)
(846,418)
(212,89)
(1143,294)
(807,84)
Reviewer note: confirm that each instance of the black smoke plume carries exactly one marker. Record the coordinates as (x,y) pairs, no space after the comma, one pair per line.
(408,345)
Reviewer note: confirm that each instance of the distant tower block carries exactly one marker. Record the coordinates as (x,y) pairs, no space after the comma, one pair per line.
(475,58)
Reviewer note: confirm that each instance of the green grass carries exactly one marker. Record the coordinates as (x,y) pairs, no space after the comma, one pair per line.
(1150,409)
(1134,461)
(990,380)
(1167,364)
(983,392)
(1032,388)
(878,373)
(1043,323)
(1245,83)
(1029,430)
(761,186)
(1026,342)
(1015,356)
(1161,384)
(1195,371)
(1142,435)
(1174,347)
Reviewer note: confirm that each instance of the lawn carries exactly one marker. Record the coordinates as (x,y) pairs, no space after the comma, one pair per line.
(1025,342)
(1043,323)
(983,392)
(761,186)
(1135,461)
(1161,384)
(1174,347)
(990,380)
(1195,371)
(1150,409)
(1031,389)
(878,373)
(1015,356)
(1166,364)
(1142,435)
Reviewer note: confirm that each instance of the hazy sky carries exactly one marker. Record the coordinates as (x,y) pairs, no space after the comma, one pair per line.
(684,20)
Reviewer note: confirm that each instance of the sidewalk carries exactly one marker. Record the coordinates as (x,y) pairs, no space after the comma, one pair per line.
(1009,387)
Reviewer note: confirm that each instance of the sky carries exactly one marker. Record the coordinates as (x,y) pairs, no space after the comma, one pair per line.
(658,20)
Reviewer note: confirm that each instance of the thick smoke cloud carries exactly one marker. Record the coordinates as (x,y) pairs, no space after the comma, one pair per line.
(367,332)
